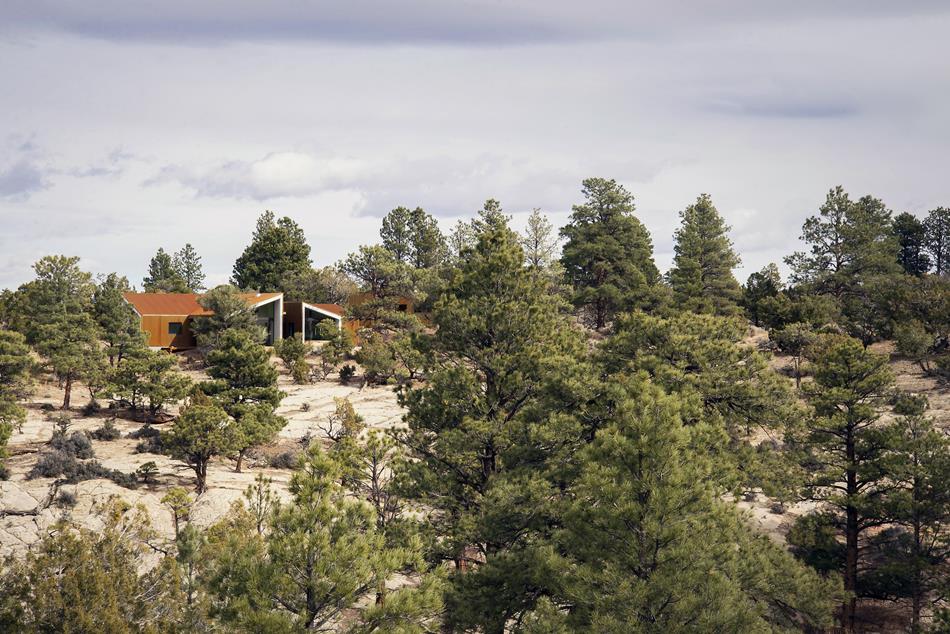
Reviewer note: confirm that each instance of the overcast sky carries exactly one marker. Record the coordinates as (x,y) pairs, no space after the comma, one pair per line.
(128,126)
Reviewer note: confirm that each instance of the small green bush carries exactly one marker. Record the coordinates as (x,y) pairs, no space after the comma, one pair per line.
(76,444)
(347,372)
(107,432)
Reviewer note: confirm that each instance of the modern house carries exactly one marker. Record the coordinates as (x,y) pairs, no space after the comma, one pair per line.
(166,317)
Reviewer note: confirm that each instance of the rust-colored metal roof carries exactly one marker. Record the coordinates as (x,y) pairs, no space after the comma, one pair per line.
(182,304)
(336,309)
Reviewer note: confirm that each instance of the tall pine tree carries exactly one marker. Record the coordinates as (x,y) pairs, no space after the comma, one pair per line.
(701,276)
(482,433)
(608,253)
(162,276)
(278,248)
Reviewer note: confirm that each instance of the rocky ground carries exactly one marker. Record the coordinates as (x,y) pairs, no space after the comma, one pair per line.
(28,507)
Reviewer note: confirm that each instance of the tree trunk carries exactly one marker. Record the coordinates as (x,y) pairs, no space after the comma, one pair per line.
(851,538)
(68,392)
(917,581)
(240,459)
(798,373)
(201,475)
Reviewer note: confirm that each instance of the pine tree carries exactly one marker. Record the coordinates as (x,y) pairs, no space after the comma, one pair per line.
(701,276)
(378,272)
(849,242)
(539,242)
(104,580)
(162,276)
(278,248)
(937,227)
(760,286)
(187,264)
(302,564)
(608,253)
(648,545)
(202,431)
(229,311)
(15,380)
(148,380)
(59,288)
(244,383)
(726,387)
(920,465)
(477,436)
(845,448)
(396,235)
(118,323)
(911,239)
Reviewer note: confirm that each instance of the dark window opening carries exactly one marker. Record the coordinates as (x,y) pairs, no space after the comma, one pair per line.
(174,327)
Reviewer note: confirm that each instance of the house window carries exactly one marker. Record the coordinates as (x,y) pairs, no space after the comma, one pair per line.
(174,327)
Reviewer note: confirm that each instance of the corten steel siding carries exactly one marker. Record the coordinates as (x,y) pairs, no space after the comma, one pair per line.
(158,336)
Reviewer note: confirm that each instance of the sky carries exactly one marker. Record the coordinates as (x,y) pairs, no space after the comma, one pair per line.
(129,126)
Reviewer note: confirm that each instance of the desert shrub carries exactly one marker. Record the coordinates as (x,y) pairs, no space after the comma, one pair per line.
(47,407)
(305,407)
(291,350)
(4,472)
(76,444)
(285,459)
(65,499)
(107,432)
(300,372)
(52,464)
(151,440)
(347,372)
(91,408)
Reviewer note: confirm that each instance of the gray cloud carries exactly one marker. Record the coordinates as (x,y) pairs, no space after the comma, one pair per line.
(368,22)
(21,179)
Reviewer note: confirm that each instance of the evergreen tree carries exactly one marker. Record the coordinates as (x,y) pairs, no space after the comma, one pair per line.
(229,311)
(413,237)
(148,380)
(726,388)
(377,271)
(649,546)
(187,264)
(608,253)
(202,431)
(912,240)
(396,234)
(327,285)
(460,239)
(937,227)
(118,323)
(163,277)
(849,241)
(310,560)
(103,580)
(539,242)
(920,465)
(244,383)
(278,248)
(15,380)
(845,448)
(59,288)
(701,276)
(502,360)
(760,286)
